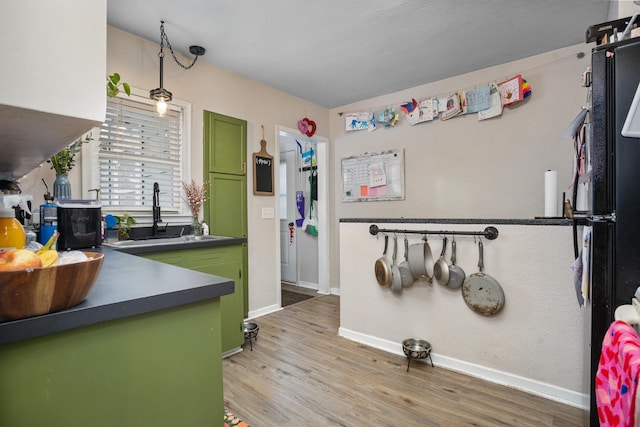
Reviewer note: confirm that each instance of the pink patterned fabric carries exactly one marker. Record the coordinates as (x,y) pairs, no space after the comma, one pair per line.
(617,376)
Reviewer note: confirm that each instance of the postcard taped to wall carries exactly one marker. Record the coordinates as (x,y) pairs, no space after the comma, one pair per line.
(373,177)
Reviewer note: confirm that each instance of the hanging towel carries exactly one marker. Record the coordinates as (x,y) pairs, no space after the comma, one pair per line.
(617,376)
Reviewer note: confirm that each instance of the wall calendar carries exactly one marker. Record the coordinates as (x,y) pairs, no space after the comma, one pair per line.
(373,177)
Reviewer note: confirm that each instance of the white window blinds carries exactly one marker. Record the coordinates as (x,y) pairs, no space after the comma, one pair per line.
(138,148)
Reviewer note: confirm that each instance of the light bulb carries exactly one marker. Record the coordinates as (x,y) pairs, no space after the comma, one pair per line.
(161,107)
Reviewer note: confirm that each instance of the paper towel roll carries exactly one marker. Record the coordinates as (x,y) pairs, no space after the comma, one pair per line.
(551,193)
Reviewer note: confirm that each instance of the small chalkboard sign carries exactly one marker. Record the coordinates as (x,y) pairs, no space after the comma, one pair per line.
(262,171)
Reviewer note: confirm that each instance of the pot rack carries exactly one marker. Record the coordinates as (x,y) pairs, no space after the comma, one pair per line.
(490,232)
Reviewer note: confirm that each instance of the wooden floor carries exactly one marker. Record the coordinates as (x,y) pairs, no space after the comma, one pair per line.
(301,373)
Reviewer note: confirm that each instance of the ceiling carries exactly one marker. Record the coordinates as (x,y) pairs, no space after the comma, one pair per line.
(335,52)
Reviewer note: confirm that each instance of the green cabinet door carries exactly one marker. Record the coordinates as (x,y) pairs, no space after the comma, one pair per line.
(224,262)
(227,205)
(229,152)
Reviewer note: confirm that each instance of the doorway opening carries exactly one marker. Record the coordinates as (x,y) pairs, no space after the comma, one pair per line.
(303,212)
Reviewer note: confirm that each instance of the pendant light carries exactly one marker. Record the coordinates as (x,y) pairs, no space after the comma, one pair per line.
(161,95)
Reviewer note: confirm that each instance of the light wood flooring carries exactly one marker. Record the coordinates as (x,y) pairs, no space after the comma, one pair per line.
(301,373)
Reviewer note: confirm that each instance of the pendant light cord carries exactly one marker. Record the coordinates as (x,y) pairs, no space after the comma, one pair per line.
(164,38)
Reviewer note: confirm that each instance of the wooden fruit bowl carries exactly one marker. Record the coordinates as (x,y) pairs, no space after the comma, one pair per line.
(32,292)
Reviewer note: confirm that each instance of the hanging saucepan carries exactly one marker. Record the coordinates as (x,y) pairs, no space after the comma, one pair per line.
(441,268)
(396,277)
(481,292)
(383,267)
(421,260)
(456,273)
(405,270)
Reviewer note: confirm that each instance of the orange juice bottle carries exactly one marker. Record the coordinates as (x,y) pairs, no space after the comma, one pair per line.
(12,235)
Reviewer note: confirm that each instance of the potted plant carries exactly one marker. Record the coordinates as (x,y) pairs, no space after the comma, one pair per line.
(62,162)
(124,225)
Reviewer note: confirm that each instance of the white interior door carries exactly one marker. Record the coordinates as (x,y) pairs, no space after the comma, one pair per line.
(288,229)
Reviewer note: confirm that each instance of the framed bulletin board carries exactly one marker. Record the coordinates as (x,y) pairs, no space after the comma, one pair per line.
(262,171)
(373,177)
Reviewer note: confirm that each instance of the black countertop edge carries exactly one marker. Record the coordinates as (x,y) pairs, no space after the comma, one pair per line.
(183,245)
(127,286)
(532,221)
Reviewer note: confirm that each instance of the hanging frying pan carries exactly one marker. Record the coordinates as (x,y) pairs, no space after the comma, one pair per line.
(481,292)
(456,273)
(383,267)
(396,277)
(421,260)
(405,270)
(441,268)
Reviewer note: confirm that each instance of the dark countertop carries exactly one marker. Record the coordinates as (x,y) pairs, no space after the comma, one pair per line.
(127,286)
(505,221)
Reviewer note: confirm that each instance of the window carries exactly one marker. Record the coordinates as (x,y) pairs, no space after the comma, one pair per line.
(137,148)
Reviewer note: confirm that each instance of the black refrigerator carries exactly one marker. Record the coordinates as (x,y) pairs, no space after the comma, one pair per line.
(614,200)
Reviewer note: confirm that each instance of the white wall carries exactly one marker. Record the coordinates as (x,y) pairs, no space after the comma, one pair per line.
(464,168)
(535,343)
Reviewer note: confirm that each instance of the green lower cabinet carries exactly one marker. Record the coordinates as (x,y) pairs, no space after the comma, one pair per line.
(158,369)
(224,262)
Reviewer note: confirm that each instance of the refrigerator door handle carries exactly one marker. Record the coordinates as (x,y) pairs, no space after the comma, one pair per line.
(604,218)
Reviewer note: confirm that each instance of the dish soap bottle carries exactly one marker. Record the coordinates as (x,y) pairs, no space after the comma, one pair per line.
(12,235)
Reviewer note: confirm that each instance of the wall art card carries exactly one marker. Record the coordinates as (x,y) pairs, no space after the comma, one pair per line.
(463,101)
(453,107)
(442,103)
(434,107)
(477,99)
(526,89)
(495,104)
(421,112)
(411,111)
(428,109)
(511,90)
(357,121)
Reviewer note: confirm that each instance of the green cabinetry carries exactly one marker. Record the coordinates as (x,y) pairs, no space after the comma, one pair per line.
(226,262)
(158,369)
(225,170)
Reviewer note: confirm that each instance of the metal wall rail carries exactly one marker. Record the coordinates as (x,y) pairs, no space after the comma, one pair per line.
(490,233)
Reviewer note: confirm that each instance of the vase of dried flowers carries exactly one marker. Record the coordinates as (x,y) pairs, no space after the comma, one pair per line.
(195,196)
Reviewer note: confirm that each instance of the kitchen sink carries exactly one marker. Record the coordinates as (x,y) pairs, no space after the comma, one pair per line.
(153,241)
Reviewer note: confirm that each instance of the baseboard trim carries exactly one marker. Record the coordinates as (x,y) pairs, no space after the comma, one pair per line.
(263,311)
(309,285)
(548,391)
